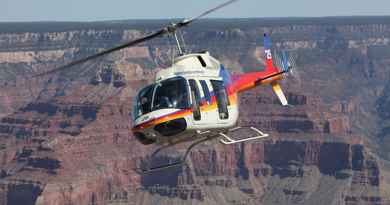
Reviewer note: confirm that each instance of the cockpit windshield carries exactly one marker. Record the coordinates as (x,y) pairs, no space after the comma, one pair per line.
(168,94)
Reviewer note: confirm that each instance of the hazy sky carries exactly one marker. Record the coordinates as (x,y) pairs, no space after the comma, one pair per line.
(92,10)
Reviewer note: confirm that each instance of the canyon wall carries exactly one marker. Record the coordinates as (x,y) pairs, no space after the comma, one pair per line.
(65,138)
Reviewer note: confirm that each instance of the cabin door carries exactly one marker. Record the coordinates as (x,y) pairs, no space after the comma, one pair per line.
(196,102)
(222,99)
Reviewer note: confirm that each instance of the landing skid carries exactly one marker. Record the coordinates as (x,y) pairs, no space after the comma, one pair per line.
(146,168)
(228,140)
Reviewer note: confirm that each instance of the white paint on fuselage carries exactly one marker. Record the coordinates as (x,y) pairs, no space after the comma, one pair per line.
(190,67)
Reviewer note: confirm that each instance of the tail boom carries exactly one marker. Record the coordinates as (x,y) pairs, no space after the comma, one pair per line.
(250,80)
(270,75)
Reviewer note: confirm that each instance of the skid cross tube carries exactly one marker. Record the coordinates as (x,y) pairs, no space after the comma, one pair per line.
(228,140)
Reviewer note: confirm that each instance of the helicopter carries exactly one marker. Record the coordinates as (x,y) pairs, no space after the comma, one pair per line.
(196,98)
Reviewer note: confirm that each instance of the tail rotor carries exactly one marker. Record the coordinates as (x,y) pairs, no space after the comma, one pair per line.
(286,61)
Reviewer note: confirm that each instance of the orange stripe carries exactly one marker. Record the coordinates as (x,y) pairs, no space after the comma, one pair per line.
(182,113)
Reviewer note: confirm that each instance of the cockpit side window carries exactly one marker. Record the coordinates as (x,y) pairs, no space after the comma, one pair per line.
(168,94)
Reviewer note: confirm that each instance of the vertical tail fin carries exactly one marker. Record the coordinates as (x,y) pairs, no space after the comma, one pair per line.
(268,54)
(270,67)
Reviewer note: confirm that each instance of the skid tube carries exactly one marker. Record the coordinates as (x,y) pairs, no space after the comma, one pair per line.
(148,169)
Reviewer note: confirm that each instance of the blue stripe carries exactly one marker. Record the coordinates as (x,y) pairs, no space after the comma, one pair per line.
(267,42)
(227,80)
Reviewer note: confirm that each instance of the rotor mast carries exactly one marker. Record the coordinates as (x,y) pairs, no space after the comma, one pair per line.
(180,44)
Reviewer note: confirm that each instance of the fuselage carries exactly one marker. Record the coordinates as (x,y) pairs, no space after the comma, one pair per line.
(196,95)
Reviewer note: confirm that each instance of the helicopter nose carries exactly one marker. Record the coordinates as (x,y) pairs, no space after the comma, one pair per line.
(141,137)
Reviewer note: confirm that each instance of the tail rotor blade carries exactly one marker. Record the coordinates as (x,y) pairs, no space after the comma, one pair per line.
(278,59)
(285,61)
(294,69)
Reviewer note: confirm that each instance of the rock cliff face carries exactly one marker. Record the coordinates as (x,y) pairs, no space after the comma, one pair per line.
(65,138)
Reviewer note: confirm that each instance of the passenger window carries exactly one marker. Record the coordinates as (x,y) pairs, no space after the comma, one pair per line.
(222,98)
(196,99)
(206,91)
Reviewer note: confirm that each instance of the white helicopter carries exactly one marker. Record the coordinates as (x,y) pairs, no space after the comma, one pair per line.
(196,99)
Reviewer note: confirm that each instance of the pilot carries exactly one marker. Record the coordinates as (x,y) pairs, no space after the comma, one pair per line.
(145,104)
(165,102)
(178,98)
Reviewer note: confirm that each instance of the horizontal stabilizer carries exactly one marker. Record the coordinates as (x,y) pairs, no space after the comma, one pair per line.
(279,92)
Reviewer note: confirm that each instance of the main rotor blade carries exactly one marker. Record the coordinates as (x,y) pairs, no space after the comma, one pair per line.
(105,52)
(186,22)
(168,29)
